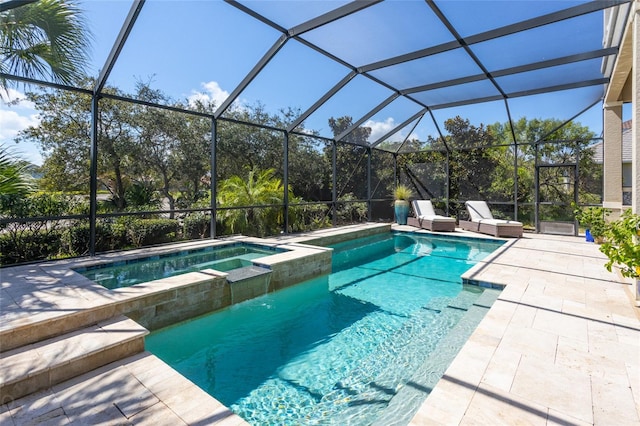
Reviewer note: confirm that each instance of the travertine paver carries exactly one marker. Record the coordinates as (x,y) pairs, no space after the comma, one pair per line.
(563,389)
(125,392)
(569,344)
(493,406)
(48,299)
(560,346)
(502,369)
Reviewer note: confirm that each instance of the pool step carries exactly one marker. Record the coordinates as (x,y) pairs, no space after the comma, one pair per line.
(375,376)
(397,334)
(400,411)
(41,365)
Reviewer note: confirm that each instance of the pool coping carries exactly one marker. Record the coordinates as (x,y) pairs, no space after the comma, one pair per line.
(470,277)
(452,401)
(58,284)
(557,347)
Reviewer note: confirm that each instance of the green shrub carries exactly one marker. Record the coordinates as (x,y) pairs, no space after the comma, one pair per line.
(146,232)
(42,204)
(142,196)
(592,218)
(621,246)
(402,192)
(308,217)
(196,226)
(18,245)
(75,240)
(349,211)
(28,241)
(257,188)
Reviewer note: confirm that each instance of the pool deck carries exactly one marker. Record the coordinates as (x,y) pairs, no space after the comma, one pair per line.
(561,345)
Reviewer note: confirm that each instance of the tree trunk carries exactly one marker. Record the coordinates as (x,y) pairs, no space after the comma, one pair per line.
(119,188)
(167,194)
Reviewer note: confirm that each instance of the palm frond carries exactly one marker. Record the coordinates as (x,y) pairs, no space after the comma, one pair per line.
(14,176)
(48,39)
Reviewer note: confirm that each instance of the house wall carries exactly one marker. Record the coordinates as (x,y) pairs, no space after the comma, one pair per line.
(612,194)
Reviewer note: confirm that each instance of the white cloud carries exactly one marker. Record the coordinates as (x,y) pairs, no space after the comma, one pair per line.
(381,128)
(11,123)
(212,93)
(17,114)
(305,131)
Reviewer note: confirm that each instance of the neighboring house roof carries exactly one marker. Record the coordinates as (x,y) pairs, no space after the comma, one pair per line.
(626,145)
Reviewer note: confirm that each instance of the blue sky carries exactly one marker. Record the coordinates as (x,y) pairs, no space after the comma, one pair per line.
(205,48)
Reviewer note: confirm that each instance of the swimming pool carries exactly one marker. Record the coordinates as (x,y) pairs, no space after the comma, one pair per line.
(362,345)
(134,271)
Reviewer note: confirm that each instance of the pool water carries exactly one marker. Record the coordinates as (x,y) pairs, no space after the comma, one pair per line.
(221,258)
(363,345)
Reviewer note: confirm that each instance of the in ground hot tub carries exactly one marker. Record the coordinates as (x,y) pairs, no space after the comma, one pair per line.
(222,258)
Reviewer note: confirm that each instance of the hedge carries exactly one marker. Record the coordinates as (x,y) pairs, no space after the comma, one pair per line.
(146,232)
(196,226)
(76,238)
(28,245)
(25,245)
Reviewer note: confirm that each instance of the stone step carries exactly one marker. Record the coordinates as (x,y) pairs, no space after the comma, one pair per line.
(408,399)
(41,365)
(61,307)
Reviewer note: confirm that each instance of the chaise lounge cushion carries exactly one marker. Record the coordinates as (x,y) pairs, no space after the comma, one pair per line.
(499,222)
(426,218)
(424,210)
(482,221)
(479,212)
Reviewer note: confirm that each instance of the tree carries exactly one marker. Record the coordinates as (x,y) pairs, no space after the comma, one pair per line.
(382,175)
(44,39)
(425,172)
(64,135)
(137,144)
(360,135)
(471,165)
(156,134)
(351,161)
(309,173)
(14,176)
(194,161)
(546,141)
(175,147)
(258,188)
(244,145)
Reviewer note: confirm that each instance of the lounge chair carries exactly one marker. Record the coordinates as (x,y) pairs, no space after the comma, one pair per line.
(482,221)
(426,217)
